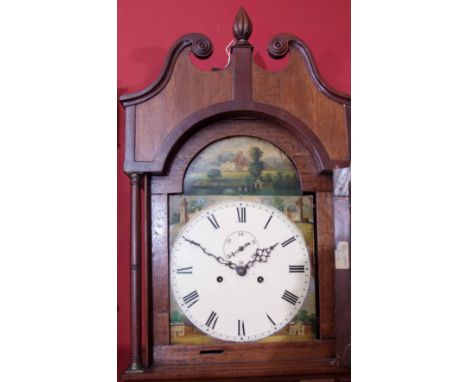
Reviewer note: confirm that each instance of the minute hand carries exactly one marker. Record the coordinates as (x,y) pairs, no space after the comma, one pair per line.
(261,255)
(219,259)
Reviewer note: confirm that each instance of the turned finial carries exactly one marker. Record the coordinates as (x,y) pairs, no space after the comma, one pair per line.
(242,27)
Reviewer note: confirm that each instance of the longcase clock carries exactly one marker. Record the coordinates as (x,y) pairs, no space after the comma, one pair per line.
(242,177)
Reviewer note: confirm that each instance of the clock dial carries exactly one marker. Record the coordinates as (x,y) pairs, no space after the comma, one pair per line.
(240,270)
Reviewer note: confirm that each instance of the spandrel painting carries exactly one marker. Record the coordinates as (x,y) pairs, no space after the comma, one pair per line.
(241,166)
(299,210)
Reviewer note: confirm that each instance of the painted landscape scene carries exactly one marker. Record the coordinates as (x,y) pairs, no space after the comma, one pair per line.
(298,209)
(241,166)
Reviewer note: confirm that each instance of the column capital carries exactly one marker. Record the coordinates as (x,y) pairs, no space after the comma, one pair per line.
(135,177)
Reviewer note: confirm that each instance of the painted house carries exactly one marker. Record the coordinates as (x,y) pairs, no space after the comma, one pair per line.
(296,212)
(228,167)
(180,330)
(241,162)
(296,328)
(293,214)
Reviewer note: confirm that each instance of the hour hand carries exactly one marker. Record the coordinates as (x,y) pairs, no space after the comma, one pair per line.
(261,255)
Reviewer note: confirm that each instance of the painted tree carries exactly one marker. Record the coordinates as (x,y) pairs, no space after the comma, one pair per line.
(256,166)
(278,203)
(248,180)
(278,180)
(175,218)
(307,318)
(303,316)
(313,320)
(295,184)
(214,173)
(176,317)
(196,205)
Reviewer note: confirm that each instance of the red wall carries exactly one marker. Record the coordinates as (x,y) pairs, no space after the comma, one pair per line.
(147,29)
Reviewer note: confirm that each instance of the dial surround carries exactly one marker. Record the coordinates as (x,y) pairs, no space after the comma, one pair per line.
(264,284)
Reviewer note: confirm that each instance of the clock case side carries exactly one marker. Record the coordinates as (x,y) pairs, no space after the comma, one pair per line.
(240,92)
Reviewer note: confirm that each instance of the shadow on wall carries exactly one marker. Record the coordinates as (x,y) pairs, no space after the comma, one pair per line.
(123,357)
(268,63)
(336,67)
(149,58)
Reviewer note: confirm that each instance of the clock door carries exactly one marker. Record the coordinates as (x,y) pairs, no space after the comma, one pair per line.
(242,248)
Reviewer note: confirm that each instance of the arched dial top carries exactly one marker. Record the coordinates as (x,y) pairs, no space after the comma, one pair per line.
(240,271)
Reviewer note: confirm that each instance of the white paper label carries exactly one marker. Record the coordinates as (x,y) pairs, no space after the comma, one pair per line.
(342,255)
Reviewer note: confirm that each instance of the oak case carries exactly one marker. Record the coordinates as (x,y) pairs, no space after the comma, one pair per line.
(167,125)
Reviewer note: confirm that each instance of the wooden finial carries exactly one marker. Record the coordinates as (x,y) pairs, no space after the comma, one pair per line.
(242,27)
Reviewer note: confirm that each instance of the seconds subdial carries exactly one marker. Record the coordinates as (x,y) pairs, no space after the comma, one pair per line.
(240,245)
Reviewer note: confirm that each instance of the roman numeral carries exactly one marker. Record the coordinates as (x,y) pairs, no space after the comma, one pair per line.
(213,221)
(240,328)
(287,242)
(271,320)
(290,297)
(191,298)
(268,222)
(185,271)
(212,320)
(241,214)
(296,269)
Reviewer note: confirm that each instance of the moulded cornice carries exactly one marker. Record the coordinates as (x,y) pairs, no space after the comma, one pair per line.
(201,48)
(280,45)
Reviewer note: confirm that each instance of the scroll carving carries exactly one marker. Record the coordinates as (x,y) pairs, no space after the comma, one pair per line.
(281,44)
(278,48)
(202,48)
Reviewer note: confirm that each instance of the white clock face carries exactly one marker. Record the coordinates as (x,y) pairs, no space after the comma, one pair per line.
(240,271)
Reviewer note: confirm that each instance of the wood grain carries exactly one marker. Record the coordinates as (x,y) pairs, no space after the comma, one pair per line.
(293,90)
(268,371)
(342,207)
(187,97)
(147,272)
(250,352)
(160,264)
(326,263)
(242,64)
(240,109)
(201,48)
(188,90)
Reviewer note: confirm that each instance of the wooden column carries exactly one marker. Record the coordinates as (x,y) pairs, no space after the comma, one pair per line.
(342,206)
(325,245)
(147,321)
(135,276)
